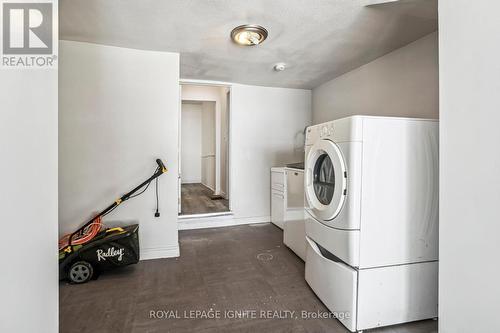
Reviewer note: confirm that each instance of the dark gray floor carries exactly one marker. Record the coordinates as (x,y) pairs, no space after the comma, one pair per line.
(196,199)
(223,269)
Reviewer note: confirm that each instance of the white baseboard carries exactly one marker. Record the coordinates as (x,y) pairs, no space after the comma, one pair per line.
(190,181)
(160,252)
(219,221)
(209,187)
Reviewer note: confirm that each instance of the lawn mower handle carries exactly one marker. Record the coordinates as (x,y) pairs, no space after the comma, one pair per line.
(161,170)
(161,165)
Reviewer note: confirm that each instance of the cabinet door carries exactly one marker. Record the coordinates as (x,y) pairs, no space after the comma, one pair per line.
(278,180)
(277,208)
(295,189)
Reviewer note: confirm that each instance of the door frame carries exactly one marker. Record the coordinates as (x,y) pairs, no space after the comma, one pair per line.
(229,171)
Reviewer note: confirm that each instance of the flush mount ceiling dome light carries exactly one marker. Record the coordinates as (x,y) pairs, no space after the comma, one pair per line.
(249,34)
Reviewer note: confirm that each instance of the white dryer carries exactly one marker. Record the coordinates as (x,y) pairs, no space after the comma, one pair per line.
(371,188)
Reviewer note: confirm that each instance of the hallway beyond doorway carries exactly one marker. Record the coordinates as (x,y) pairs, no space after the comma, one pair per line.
(197,199)
(204,148)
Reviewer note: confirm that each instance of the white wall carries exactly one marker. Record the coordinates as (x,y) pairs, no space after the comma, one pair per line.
(402,83)
(208,147)
(118,112)
(191,142)
(28,149)
(470,166)
(28,146)
(264,122)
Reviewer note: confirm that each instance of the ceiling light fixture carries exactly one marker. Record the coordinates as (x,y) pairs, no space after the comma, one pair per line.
(249,34)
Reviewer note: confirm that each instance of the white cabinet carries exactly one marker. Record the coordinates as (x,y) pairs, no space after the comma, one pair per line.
(277,208)
(294,190)
(294,237)
(294,234)
(278,199)
(287,207)
(278,179)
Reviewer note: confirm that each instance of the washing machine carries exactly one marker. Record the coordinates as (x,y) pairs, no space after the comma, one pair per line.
(371,188)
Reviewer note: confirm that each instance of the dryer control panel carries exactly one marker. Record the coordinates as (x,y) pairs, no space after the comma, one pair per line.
(320,131)
(326,130)
(341,130)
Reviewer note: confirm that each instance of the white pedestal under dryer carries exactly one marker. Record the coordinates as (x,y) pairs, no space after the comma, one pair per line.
(371,188)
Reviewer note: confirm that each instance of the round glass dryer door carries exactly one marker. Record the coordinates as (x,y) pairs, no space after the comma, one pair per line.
(325,180)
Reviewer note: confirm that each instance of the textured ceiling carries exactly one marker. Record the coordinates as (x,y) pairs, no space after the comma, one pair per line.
(317,39)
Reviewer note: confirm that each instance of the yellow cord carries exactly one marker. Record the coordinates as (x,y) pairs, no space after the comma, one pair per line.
(115,229)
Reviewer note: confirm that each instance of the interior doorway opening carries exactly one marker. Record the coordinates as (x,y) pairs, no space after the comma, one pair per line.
(204,150)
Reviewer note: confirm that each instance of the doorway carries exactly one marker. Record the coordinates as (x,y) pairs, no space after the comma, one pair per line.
(204,150)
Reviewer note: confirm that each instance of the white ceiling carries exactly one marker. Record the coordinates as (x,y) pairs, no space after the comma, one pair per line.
(317,39)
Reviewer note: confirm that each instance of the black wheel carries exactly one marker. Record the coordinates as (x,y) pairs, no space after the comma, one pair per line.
(80,272)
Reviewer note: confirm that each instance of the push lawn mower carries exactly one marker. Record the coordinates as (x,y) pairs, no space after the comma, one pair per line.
(90,250)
